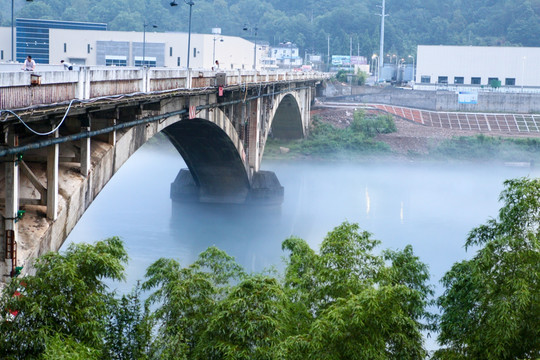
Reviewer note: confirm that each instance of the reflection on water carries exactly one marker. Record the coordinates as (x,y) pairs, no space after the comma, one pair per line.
(432,207)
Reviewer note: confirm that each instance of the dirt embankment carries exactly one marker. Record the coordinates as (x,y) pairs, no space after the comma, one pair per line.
(410,137)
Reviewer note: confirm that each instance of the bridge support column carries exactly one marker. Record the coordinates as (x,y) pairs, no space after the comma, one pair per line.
(254,134)
(85,153)
(12,206)
(85,145)
(52,178)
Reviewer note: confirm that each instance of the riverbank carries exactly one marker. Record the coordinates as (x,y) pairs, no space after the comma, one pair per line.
(414,141)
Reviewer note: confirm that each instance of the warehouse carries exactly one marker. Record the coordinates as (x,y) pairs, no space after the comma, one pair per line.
(478,66)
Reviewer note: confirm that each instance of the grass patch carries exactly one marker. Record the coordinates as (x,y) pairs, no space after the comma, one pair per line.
(327,141)
(483,147)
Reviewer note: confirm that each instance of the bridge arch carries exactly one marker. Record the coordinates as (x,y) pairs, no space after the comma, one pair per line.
(217,170)
(286,119)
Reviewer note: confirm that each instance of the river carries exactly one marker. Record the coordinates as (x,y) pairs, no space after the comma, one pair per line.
(431,206)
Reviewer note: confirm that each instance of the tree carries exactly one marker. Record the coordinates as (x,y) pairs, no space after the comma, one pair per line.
(65,301)
(186,299)
(352,305)
(129,328)
(491,305)
(248,324)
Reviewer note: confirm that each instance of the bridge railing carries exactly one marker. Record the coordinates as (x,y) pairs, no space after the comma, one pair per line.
(17,91)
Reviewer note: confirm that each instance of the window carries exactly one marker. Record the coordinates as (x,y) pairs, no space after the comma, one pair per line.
(170,51)
(510,81)
(178,61)
(112,60)
(65,47)
(88,48)
(425,79)
(459,80)
(194,52)
(490,80)
(476,81)
(442,80)
(149,61)
(1,54)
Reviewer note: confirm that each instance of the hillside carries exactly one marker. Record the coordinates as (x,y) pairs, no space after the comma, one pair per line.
(309,23)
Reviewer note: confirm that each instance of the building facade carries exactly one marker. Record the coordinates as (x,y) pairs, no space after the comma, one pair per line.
(49,42)
(478,66)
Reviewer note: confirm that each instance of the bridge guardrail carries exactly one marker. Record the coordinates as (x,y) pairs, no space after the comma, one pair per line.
(16,91)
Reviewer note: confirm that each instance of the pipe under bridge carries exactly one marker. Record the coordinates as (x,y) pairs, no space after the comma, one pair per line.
(66,133)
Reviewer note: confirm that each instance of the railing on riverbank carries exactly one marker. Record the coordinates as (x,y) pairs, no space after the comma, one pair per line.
(17,91)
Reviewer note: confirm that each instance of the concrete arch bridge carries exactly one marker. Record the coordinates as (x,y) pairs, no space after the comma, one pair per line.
(67,134)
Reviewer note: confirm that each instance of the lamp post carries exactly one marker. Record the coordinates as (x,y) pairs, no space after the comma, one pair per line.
(190,3)
(413,69)
(381,45)
(144,43)
(13,31)
(214,52)
(253,30)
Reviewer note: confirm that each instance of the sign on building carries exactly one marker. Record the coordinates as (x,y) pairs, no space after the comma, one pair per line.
(358,60)
(341,60)
(467,97)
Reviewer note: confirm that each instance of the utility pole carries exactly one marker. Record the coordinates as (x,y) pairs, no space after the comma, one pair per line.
(328,55)
(350,53)
(381,48)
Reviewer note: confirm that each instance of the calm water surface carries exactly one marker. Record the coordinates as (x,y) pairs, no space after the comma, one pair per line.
(432,207)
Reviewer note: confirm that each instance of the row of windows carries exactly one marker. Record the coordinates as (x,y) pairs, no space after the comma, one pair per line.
(425,79)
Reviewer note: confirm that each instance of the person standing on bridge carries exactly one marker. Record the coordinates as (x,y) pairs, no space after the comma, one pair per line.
(29,64)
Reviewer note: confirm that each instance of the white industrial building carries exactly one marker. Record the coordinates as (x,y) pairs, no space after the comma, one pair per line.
(478,66)
(125,48)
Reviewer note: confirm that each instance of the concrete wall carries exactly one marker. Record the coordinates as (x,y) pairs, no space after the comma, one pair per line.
(438,100)
(5,43)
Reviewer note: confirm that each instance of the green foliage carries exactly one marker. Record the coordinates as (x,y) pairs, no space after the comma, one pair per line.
(361,308)
(491,306)
(186,298)
(325,139)
(309,23)
(341,75)
(361,77)
(371,126)
(482,147)
(248,323)
(128,331)
(65,299)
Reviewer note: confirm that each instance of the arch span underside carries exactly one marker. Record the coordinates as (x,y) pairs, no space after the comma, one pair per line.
(216,170)
(287,121)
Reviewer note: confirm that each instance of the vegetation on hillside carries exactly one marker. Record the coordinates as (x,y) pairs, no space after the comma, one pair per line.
(347,301)
(310,23)
(327,141)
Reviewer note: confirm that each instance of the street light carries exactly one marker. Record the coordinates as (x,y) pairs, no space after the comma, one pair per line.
(190,3)
(12,31)
(216,32)
(413,69)
(144,43)
(253,30)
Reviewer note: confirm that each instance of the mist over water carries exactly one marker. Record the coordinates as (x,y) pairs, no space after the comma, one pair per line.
(432,207)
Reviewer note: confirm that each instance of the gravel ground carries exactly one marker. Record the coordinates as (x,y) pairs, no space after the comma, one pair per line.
(410,136)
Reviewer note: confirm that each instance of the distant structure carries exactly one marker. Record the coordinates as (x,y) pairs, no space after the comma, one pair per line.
(477,66)
(81,43)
